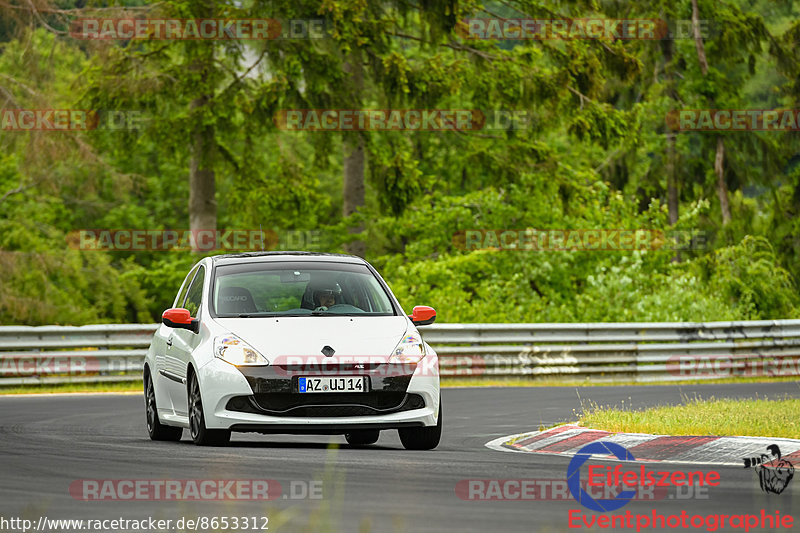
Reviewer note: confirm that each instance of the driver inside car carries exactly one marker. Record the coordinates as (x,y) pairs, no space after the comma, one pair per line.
(326,297)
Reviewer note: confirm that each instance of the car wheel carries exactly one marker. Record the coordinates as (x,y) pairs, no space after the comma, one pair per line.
(155,428)
(362,437)
(201,435)
(425,438)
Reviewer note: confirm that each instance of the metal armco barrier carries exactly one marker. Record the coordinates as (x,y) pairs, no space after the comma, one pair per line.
(67,354)
(592,352)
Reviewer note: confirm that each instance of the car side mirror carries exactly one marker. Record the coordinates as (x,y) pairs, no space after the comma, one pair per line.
(422,315)
(180,318)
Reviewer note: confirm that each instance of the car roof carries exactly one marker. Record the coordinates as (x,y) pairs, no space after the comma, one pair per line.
(248,257)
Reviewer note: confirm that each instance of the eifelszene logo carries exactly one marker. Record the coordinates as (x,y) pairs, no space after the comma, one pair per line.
(574,476)
(774,473)
(617,477)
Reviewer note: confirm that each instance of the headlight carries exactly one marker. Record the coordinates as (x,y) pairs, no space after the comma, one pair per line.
(235,351)
(410,350)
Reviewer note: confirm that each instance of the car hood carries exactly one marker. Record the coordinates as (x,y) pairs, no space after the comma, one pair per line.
(375,336)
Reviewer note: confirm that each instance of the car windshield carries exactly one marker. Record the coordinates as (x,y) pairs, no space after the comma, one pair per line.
(298,289)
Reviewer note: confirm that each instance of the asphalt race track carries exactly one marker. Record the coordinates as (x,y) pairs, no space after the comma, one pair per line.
(47,443)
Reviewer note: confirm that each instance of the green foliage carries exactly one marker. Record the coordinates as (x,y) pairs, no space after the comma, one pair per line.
(593,156)
(749,278)
(67,288)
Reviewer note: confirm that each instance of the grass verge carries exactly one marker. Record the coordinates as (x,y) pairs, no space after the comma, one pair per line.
(760,417)
(65,388)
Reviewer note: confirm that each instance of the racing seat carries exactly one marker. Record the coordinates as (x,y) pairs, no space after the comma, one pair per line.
(307,302)
(235,300)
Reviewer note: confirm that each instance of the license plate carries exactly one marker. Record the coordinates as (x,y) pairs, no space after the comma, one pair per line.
(333,384)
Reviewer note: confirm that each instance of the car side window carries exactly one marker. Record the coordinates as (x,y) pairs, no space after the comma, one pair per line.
(184,288)
(194,296)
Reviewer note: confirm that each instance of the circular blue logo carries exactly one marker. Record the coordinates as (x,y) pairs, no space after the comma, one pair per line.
(574,476)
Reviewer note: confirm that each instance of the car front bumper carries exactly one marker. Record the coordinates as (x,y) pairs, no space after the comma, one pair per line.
(265,399)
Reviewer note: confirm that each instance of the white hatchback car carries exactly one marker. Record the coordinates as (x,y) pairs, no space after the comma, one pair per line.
(291,342)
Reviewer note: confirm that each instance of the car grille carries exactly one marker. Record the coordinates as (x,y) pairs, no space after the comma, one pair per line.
(326,405)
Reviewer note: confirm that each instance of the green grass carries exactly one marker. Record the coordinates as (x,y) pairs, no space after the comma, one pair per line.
(760,417)
(119,386)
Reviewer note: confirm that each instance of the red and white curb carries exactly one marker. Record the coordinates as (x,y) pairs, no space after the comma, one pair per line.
(705,450)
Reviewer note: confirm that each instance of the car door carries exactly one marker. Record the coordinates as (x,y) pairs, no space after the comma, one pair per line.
(162,341)
(182,343)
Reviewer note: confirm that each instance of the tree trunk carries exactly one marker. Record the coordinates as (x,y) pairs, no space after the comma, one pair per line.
(672,182)
(202,186)
(698,39)
(354,186)
(719,159)
(673,204)
(354,157)
(722,188)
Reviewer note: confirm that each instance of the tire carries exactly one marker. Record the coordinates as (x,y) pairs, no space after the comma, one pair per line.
(362,437)
(155,428)
(424,438)
(201,435)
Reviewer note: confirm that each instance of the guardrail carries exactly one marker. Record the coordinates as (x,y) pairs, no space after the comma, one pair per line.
(594,352)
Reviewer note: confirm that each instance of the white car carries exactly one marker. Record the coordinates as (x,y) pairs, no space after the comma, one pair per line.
(291,342)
